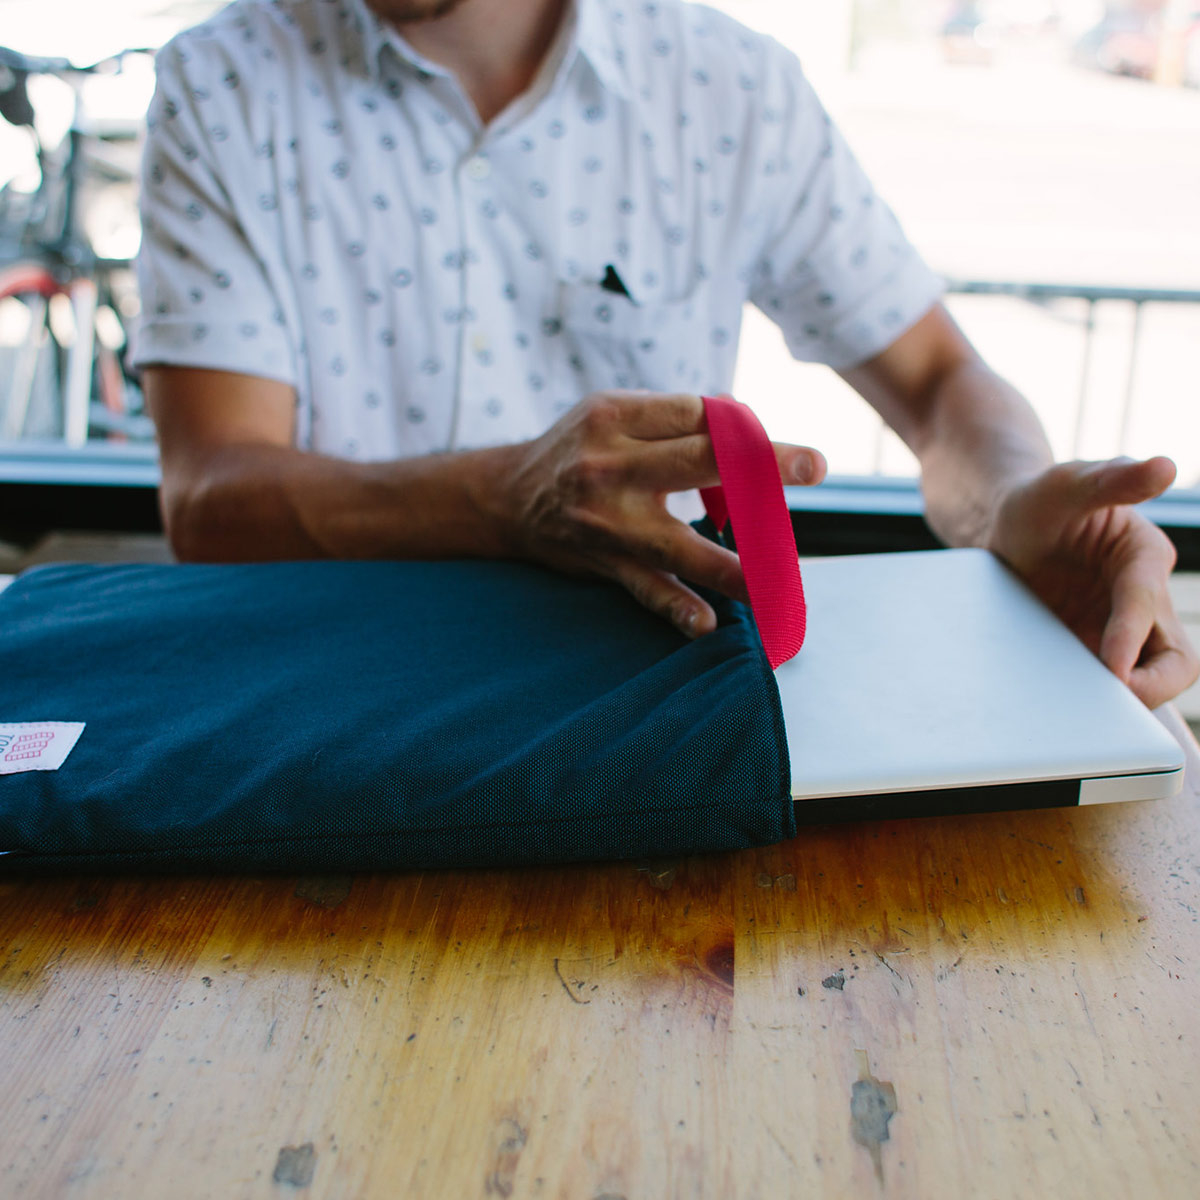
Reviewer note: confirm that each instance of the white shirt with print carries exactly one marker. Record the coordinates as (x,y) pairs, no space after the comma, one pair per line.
(322,206)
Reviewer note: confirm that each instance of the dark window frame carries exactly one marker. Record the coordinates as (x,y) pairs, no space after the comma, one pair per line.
(113,488)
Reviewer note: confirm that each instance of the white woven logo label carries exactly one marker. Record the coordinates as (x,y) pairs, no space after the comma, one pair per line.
(37,745)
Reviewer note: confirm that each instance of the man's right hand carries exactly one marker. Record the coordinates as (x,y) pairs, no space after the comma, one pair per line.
(589,497)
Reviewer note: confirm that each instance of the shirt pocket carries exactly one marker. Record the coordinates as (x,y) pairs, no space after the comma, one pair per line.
(614,341)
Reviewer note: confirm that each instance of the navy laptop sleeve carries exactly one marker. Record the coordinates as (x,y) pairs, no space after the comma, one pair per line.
(361,716)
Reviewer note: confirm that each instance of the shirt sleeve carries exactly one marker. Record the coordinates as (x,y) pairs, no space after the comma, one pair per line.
(205,283)
(836,272)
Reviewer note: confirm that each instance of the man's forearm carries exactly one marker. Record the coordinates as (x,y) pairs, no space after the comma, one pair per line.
(248,502)
(979,437)
(974,434)
(587,497)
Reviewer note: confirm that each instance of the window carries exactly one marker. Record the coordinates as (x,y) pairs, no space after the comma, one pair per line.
(1043,154)
(1045,158)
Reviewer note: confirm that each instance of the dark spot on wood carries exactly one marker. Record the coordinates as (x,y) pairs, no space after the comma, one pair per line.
(579,983)
(516,1138)
(872,1106)
(84,901)
(296,1165)
(325,891)
(764,880)
(659,875)
(837,980)
(512,1139)
(1080,898)
(719,961)
(948,970)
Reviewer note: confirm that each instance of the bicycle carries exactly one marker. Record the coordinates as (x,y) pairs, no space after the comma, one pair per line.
(63,306)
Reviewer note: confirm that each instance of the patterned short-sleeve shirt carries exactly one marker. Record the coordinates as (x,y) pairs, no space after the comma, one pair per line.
(322,206)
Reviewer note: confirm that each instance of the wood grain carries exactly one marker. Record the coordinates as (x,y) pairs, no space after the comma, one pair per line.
(988,1006)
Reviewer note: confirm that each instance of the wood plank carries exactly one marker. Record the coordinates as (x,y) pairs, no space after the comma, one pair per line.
(1022,989)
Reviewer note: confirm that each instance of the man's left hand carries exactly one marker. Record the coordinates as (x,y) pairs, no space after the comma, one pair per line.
(1072,534)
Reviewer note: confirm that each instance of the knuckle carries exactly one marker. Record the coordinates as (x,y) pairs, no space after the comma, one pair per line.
(695,454)
(658,604)
(688,404)
(654,593)
(667,551)
(587,530)
(588,474)
(590,527)
(600,412)
(653,549)
(641,588)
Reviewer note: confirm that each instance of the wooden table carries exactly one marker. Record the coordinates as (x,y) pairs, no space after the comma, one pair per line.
(988,1006)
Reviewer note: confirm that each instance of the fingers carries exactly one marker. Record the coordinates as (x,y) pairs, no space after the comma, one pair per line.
(1092,486)
(679,463)
(800,464)
(665,596)
(1144,643)
(649,536)
(1135,599)
(653,415)
(671,450)
(676,549)
(651,567)
(589,494)
(1170,668)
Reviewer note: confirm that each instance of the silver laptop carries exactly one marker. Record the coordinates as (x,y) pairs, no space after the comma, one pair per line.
(935,682)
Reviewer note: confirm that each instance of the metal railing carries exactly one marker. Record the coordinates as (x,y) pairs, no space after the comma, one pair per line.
(111,485)
(1044,295)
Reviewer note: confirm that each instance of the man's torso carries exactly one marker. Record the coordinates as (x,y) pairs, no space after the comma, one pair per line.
(436,285)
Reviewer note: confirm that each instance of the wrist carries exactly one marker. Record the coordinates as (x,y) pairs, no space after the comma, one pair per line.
(966,506)
(487,485)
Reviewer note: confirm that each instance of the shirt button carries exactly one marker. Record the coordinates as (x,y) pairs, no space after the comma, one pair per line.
(478,169)
(480,343)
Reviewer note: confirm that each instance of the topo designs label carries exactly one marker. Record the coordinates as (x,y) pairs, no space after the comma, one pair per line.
(37,745)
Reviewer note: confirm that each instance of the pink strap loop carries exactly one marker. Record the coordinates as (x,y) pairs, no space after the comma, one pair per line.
(751,499)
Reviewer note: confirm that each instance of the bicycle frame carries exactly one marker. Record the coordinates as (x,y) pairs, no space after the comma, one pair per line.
(56,258)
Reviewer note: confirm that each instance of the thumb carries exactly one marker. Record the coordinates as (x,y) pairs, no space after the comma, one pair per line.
(1122,481)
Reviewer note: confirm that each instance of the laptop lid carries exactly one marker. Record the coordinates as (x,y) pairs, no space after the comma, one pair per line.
(935,682)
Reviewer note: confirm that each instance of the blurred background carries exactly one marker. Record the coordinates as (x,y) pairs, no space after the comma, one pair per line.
(1043,154)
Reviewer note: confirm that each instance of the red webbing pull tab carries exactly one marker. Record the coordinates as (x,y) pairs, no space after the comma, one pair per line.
(751,499)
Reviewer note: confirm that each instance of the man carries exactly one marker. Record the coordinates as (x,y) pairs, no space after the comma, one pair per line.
(447,278)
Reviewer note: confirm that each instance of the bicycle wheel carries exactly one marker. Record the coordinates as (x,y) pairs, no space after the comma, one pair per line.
(26,290)
(64,375)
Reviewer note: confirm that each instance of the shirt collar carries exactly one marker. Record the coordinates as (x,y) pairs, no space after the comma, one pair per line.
(596,40)
(377,36)
(593,39)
